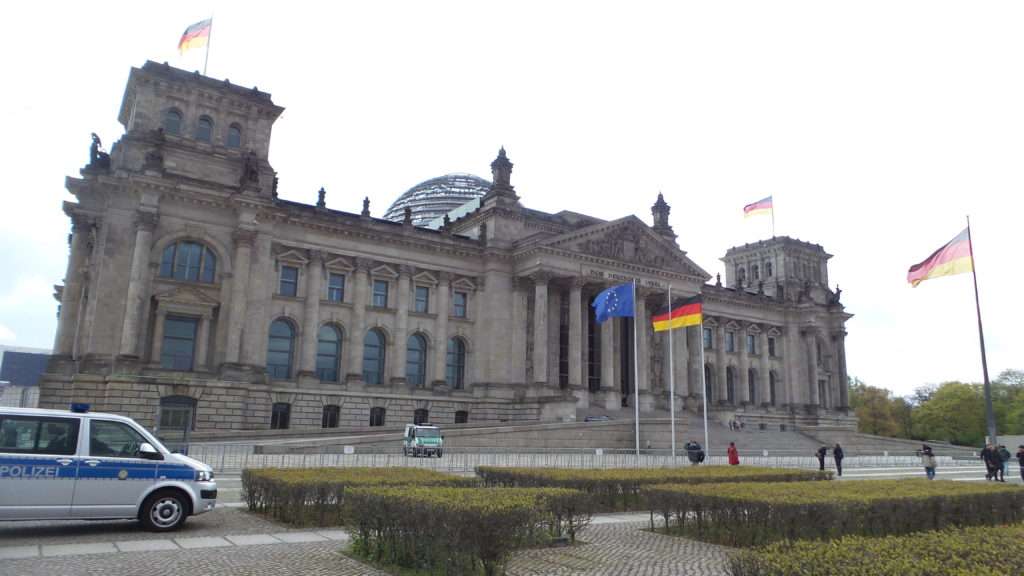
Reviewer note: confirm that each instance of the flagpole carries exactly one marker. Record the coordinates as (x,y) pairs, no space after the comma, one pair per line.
(209,40)
(671,376)
(773,217)
(636,376)
(704,384)
(989,416)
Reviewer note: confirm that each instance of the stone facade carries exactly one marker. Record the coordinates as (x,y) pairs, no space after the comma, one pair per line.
(190,283)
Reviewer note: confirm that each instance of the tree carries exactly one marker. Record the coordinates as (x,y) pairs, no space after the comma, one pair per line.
(875,409)
(955,413)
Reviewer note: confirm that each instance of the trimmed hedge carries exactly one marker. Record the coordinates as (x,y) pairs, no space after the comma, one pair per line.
(751,514)
(620,488)
(976,551)
(444,530)
(315,496)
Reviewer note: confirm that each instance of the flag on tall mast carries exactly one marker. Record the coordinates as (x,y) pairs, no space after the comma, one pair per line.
(762,206)
(197,36)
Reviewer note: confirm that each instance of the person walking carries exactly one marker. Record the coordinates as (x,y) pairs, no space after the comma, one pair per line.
(1004,462)
(928,460)
(821,458)
(693,452)
(993,462)
(734,455)
(986,454)
(837,453)
(1020,460)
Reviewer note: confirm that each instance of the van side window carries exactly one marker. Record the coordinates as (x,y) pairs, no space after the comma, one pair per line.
(113,439)
(38,435)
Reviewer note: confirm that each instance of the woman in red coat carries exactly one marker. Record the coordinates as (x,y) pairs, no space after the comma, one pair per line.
(734,455)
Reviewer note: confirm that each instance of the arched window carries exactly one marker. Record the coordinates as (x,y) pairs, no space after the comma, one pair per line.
(741,274)
(377,416)
(461,416)
(752,385)
(328,353)
(771,387)
(709,383)
(234,136)
(188,261)
(420,416)
(172,122)
(416,361)
(279,349)
(330,416)
(755,272)
(177,414)
(730,385)
(373,357)
(455,367)
(768,269)
(204,129)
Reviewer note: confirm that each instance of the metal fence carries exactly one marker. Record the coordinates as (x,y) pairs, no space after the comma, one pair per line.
(232,458)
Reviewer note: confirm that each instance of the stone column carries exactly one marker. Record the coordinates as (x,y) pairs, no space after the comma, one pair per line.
(402,321)
(612,397)
(812,366)
(764,386)
(444,299)
(844,384)
(355,346)
(158,334)
(201,361)
(244,240)
(742,380)
(519,327)
(138,276)
(540,327)
(723,393)
(796,369)
(576,334)
(74,282)
(311,316)
(642,329)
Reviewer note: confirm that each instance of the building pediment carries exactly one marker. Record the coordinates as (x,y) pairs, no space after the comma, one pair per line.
(186,296)
(627,240)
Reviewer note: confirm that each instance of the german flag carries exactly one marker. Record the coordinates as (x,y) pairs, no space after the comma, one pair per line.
(762,206)
(195,36)
(953,258)
(688,313)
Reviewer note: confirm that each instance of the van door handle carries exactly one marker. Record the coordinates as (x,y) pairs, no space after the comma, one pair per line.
(64,461)
(92,462)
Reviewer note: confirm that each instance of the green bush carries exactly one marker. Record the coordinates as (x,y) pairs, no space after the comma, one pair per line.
(620,488)
(750,514)
(315,496)
(441,530)
(976,551)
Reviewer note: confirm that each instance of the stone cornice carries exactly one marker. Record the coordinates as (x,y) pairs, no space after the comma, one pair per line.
(617,265)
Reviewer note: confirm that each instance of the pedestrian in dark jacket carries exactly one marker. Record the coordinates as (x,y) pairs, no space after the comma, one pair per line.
(992,461)
(928,459)
(837,453)
(1020,460)
(1004,462)
(694,452)
(821,457)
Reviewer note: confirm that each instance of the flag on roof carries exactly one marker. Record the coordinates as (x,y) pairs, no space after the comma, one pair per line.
(689,312)
(195,36)
(953,258)
(762,206)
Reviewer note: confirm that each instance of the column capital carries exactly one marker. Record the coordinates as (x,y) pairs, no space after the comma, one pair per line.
(578,282)
(145,220)
(444,277)
(520,283)
(541,277)
(406,270)
(244,237)
(363,264)
(82,222)
(316,256)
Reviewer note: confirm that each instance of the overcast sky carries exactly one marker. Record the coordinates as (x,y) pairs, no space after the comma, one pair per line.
(876,126)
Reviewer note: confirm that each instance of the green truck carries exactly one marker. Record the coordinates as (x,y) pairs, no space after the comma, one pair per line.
(422,440)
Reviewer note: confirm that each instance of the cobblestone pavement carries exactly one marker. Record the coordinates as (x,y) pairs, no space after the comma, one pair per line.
(623,549)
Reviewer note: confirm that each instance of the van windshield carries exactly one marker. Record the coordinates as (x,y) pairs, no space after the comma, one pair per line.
(427,432)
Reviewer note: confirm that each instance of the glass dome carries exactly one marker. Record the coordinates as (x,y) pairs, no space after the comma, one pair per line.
(436,197)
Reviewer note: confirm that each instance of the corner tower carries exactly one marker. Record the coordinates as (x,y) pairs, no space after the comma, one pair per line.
(782,267)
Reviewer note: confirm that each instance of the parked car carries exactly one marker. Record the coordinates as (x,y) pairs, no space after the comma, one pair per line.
(81,465)
(422,440)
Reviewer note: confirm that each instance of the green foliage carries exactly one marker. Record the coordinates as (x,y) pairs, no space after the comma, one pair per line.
(977,551)
(954,413)
(751,514)
(444,530)
(620,488)
(316,496)
(877,411)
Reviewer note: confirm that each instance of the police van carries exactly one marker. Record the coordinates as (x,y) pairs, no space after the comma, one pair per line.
(58,465)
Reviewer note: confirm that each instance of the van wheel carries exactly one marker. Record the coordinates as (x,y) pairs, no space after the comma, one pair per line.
(164,511)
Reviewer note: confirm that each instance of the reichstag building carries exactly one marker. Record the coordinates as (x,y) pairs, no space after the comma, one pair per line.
(196,298)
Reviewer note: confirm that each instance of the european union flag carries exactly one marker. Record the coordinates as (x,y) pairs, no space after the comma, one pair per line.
(615,301)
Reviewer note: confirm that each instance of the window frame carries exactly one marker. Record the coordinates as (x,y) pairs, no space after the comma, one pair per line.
(461,416)
(455,372)
(331,413)
(771,346)
(730,340)
(176,401)
(751,344)
(284,281)
(420,416)
(280,415)
(172,267)
(378,375)
(419,378)
(421,299)
(335,290)
(168,338)
(380,296)
(460,310)
(708,334)
(234,126)
(378,416)
(336,364)
(208,135)
(177,126)
(74,433)
(123,425)
(272,372)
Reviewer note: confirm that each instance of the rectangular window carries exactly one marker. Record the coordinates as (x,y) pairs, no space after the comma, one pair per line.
(179,345)
(330,418)
(376,416)
(422,299)
(707,339)
(39,435)
(751,344)
(280,416)
(380,293)
(459,304)
(336,287)
(730,341)
(113,439)
(289,281)
(771,346)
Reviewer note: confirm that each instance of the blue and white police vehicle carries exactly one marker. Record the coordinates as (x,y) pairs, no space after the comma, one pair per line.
(77,464)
